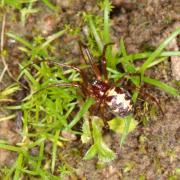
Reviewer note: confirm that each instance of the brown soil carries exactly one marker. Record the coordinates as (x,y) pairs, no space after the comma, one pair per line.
(150,152)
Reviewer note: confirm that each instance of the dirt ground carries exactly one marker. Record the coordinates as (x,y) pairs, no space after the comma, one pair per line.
(151,151)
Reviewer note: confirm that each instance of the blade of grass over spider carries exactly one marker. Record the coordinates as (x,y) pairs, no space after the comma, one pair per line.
(161,85)
(35,173)
(157,52)
(36,143)
(80,114)
(95,34)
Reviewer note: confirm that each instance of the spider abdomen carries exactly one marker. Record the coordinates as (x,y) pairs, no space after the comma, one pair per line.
(119,101)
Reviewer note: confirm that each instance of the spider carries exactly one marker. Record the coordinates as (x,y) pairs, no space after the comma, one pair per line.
(116,99)
(107,95)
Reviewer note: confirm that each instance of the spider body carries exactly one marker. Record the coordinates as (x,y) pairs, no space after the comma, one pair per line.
(106,94)
(117,99)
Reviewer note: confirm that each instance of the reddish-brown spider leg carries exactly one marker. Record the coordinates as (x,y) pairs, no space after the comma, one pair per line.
(100,108)
(151,97)
(103,62)
(59,85)
(81,72)
(50,62)
(83,85)
(102,111)
(85,51)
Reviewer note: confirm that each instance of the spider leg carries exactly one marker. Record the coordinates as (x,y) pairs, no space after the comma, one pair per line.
(91,128)
(93,110)
(100,108)
(58,85)
(81,72)
(146,96)
(102,111)
(85,52)
(50,62)
(103,62)
(152,98)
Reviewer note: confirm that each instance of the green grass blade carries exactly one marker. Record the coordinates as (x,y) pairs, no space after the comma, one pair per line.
(106,35)
(11,148)
(19,162)
(95,34)
(127,121)
(50,5)
(92,151)
(122,48)
(54,150)
(20,39)
(106,21)
(30,77)
(52,38)
(40,157)
(83,110)
(156,62)
(141,56)
(127,65)
(157,52)
(36,143)
(9,174)
(161,85)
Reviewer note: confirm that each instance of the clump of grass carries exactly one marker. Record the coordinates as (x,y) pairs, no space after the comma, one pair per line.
(48,110)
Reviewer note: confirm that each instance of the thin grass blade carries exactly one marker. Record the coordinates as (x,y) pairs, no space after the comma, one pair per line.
(161,85)
(157,52)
